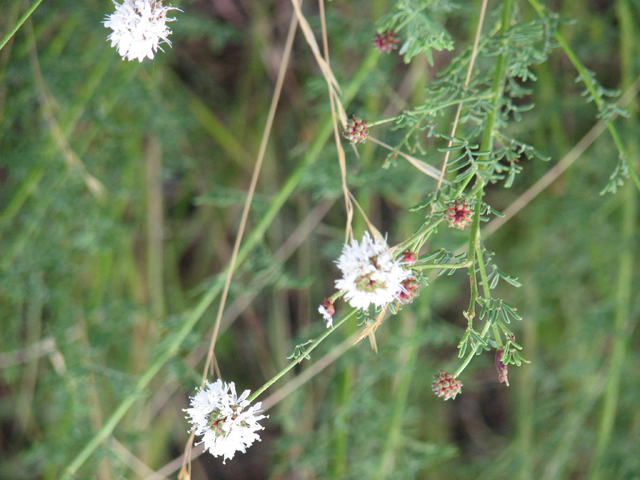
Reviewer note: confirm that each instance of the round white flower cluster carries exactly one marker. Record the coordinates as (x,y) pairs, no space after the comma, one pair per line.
(222,418)
(370,275)
(139,26)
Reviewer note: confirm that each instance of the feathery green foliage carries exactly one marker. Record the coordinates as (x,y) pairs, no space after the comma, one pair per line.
(121,188)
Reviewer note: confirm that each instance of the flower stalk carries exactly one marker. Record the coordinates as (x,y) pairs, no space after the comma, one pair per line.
(312,347)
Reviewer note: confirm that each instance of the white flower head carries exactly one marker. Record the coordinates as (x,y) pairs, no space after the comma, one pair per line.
(139,26)
(224,420)
(370,275)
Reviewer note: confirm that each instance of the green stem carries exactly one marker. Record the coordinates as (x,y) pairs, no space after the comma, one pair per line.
(315,343)
(473,352)
(19,24)
(250,242)
(337,295)
(440,106)
(462,186)
(471,260)
(487,292)
(382,122)
(483,273)
(419,237)
(497,88)
(451,103)
(443,266)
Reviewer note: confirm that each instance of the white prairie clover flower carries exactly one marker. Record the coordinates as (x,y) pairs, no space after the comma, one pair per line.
(139,26)
(222,418)
(370,275)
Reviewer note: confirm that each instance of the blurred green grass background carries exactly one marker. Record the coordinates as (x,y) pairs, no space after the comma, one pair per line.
(95,281)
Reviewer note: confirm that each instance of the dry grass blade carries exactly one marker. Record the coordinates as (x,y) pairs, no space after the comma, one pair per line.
(472,61)
(245,212)
(311,41)
(133,462)
(376,233)
(70,157)
(334,100)
(419,164)
(372,327)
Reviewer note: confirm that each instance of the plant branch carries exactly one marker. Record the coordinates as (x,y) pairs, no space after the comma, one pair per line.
(307,351)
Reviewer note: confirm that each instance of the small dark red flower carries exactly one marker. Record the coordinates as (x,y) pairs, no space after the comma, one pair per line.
(386,41)
(444,385)
(356,130)
(458,213)
(328,306)
(408,257)
(409,290)
(503,370)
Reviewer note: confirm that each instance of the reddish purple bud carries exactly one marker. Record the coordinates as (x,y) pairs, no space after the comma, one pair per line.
(444,385)
(502,368)
(386,41)
(328,306)
(356,130)
(409,290)
(458,213)
(408,257)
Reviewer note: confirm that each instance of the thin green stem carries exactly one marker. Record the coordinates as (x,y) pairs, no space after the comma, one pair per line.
(462,186)
(474,235)
(497,88)
(443,266)
(623,153)
(24,17)
(473,352)
(483,272)
(419,237)
(451,103)
(307,351)
(382,122)
(487,292)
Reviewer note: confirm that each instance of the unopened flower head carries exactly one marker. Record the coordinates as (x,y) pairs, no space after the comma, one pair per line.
(444,385)
(139,27)
(503,369)
(409,257)
(458,213)
(370,275)
(409,290)
(356,130)
(327,310)
(224,420)
(386,41)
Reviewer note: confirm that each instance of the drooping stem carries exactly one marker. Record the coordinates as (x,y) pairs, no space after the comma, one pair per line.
(307,351)
(15,28)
